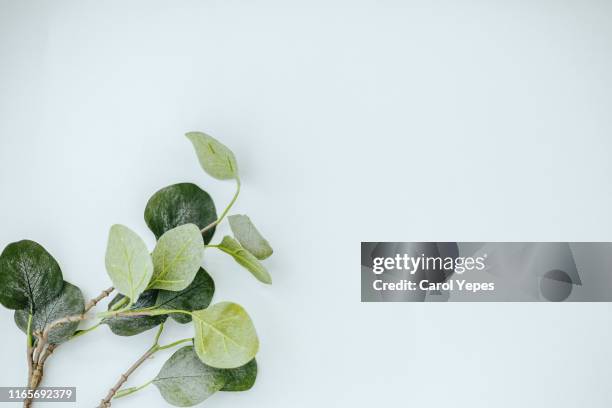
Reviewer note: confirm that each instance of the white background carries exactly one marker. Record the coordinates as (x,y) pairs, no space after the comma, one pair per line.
(351,120)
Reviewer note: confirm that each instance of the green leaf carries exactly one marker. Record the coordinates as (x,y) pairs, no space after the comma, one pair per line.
(177,258)
(184,381)
(248,236)
(241,378)
(224,336)
(69,302)
(196,296)
(29,276)
(215,158)
(232,247)
(128,261)
(180,204)
(132,325)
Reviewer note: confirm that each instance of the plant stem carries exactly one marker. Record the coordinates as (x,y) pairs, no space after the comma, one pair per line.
(44,338)
(158,335)
(29,349)
(115,392)
(142,312)
(127,391)
(224,213)
(43,349)
(79,333)
(176,343)
(106,402)
(29,331)
(120,303)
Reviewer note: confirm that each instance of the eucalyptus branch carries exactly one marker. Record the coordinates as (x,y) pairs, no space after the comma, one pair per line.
(43,349)
(44,338)
(106,401)
(112,393)
(116,392)
(151,291)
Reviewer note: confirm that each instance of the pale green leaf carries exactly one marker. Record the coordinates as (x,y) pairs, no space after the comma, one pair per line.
(128,261)
(248,236)
(177,258)
(232,247)
(224,336)
(215,158)
(184,381)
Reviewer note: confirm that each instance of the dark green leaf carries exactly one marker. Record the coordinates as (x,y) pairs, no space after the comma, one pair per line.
(132,325)
(184,381)
(29,276)
(241,378)
(70,302)
(180,204)
(198,295)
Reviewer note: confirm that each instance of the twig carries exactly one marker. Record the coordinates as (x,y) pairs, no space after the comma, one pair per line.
(93,302)
(48,351)
(106,402)
(112,393)
(43,349)
(44,338)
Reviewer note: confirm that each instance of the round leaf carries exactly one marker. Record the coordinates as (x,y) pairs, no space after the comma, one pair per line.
(184,381)
(248,236)
(132,325)
(128,261)
(224,336)
(241,378)
(29,276)
(232,247)
(177,258)
(69,302)
(196,296)
(180,204)
(215,158)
